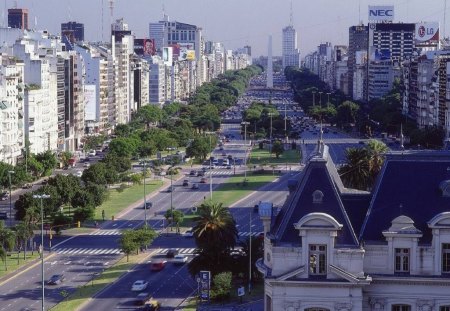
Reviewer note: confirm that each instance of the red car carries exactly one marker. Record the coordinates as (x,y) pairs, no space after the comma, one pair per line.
(157,265)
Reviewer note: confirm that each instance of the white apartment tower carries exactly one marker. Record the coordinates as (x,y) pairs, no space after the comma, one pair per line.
(290,52)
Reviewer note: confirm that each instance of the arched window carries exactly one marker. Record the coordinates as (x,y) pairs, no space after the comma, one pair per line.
(317,196)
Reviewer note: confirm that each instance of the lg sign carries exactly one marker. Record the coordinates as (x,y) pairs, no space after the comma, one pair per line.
(381,13)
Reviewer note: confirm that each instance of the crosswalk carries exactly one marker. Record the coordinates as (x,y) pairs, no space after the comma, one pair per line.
(119,232)
(219,172)
(185,251)
(107,232)
(87,251)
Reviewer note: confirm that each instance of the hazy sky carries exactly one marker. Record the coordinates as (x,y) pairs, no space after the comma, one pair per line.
(233,22)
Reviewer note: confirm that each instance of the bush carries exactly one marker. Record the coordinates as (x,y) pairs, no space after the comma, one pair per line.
(221,286)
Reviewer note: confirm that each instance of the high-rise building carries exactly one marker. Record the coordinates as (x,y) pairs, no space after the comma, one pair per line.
(18,18)
(358,37)
(269,82)
(290,52)
(73,30)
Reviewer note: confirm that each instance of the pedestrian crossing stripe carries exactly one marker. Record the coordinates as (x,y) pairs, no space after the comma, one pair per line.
(228,172)
(161,251)
(87,251)
(106,232)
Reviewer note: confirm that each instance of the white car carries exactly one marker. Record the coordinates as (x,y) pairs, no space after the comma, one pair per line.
(139,285)
(79,174)
(180,259)
(188,234)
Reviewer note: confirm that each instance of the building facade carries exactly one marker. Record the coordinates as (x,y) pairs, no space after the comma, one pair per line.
(332,248)
(289,50)
(18,18)
(74,30)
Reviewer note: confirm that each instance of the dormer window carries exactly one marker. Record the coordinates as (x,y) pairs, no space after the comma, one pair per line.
(446,258)
(317,259)
(402,260)
(445,188)
(317,196)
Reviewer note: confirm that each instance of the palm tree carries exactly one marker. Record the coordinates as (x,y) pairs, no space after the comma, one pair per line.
(215,235)
(7,242)
(215,227)
(376,150)
(356,173)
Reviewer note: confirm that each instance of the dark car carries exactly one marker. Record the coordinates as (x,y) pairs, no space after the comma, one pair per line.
(171,253)
(192,173)
(56,279)
(142,298)
(194,186)
(200,173)
(185,183)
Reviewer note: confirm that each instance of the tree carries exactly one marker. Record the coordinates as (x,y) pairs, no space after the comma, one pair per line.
(124,146)
(355,173)
(176,216)
(277,148)
(128,243)
(82,198)
(60,221)
(66,186)
(65,156)
(83,213)
(48,161)
(199,148)
(123,130)
(376,150)
(144,236)
(222,285)
(149,114)
(346,113)
(120,164)
(24,233)
(7,242)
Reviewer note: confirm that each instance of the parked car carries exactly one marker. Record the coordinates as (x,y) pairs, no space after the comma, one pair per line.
(139,285)
(27,186)
(92,153)
(86,164)
(192,173)
(158,265)
(203,180)
(180,259)
(170,189)
(171,253)
(200,173)
(194,186)
(185,183)
(56,279)
(79,173)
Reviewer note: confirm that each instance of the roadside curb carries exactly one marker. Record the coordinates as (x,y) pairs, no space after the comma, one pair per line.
(13,274)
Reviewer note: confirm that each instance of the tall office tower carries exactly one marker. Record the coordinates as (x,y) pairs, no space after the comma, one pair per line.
(269,65)
(357,41)
(18,18)
(290,52)
(73,30)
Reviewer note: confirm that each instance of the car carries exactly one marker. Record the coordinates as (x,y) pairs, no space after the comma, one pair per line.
(192,173)
(224,154)
(180,259)
(203,180)
(56,279)
(200,173)
(194,186)
(142,298)
(86,164)
(152,305)
(185,183)
(79,173)
(228,167)
(4,196)
(172,252)
(86,160)
(27,186)
(139,286)
(92,153)
(158,265)
(3,215)
(221,148)
(171,189)
(188,234)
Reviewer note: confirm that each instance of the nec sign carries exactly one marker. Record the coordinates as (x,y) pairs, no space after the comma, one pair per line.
(381,13)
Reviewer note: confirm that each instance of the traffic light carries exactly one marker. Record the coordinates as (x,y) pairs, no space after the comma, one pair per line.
(78,224)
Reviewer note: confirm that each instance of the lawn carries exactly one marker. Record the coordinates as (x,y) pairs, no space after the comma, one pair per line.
(117,201)
(258,156)
(83,293)
(233,189)
(13,265)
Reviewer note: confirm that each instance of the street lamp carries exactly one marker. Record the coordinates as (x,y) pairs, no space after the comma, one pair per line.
(314,98)
(328,99)
(250,256)
(42,197)
(245,144)
(145,199)
(210,166)
(10,203)
(320,99)
(270,145)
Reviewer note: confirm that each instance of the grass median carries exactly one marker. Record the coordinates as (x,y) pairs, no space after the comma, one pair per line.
(119,200)
(263,156)
(14,261)
(83,293)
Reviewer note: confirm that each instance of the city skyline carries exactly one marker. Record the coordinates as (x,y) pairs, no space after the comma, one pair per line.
(245,21)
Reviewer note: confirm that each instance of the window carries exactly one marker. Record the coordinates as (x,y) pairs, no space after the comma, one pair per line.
(402,260)
(317,259)
(446,257)
(444,308)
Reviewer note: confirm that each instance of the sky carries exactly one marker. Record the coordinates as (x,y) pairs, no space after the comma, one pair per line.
(235,23)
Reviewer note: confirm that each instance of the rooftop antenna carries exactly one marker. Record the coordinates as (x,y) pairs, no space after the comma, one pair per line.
(291,17)
(111,8)
(103,22)
(445,14)
(70,11)
(164,11)
(15,4)
(359,12)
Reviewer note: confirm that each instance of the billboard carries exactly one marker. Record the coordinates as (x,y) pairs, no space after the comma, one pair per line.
(144,47)
(381,13)
(427,34)
(175,50)
(186,54)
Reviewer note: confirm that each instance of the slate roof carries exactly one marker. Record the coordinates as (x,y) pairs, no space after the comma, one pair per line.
(319,174)
(408,185)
